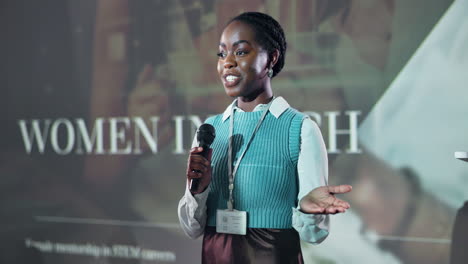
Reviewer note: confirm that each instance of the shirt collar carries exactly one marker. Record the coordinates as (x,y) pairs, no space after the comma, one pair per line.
(278,106)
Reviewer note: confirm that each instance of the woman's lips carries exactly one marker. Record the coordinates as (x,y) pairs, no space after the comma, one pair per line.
(231,80)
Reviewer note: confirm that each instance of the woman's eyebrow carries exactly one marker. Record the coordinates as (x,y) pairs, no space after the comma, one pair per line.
(235,43)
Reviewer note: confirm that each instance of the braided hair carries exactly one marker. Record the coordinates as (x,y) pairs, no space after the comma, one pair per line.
(268,33)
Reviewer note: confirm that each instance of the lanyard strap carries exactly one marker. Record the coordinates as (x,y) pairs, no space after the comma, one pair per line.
(233,171)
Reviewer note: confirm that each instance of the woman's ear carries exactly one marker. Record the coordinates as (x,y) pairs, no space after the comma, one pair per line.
(274,58)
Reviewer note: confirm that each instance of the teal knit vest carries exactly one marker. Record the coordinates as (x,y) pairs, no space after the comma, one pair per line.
(266,183)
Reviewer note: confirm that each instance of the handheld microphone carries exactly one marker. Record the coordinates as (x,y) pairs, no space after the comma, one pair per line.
(205,136)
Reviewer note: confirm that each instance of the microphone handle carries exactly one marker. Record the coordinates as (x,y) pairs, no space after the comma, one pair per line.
(195,182)
(206,149)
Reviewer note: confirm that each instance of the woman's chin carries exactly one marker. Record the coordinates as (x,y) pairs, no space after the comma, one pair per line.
(232,92)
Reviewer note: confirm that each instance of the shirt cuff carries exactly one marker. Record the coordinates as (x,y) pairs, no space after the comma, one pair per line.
(196,202)
(312,228)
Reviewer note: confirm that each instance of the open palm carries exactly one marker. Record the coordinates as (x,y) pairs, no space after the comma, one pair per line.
(322,200)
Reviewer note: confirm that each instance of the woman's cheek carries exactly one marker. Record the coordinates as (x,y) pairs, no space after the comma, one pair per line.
(220,68)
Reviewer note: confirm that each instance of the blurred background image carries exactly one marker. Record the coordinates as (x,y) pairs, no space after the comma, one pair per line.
(101,100)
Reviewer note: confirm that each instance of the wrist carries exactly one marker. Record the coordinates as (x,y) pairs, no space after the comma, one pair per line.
(198,191)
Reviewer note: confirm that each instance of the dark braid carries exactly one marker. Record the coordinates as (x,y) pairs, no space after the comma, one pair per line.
(268,33)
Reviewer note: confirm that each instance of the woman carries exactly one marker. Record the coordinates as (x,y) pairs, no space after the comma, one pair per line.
(276,158)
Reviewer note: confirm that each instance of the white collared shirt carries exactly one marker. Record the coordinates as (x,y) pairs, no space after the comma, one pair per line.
(312,168)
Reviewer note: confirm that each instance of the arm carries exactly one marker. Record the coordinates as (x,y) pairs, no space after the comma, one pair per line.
(192,206)
(311,218)
(312,168)
(192,212)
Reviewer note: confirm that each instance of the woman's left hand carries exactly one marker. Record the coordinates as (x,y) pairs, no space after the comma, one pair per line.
(322,200)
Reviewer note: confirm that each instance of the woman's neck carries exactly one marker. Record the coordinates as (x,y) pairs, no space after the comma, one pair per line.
(248,104)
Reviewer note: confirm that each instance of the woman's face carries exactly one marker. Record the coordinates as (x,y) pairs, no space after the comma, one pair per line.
(242,63)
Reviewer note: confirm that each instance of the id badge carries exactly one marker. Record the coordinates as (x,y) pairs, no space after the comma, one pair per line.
(231,222)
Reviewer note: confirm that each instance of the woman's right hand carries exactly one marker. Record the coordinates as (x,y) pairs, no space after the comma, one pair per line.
(199,167)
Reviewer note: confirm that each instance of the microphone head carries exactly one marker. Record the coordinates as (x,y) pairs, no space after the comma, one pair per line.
(206,135)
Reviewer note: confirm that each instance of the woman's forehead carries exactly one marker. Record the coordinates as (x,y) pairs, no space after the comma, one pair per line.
(237,31)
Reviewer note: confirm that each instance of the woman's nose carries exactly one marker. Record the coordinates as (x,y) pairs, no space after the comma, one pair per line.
(230,61)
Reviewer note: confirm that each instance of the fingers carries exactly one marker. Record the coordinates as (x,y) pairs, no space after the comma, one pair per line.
(309,207)
(340,189)
(196,150)
(316,210)
(194,174)
(334,210)
(341,203)
(199,167)
(327,210)
(145,75)
(197,164)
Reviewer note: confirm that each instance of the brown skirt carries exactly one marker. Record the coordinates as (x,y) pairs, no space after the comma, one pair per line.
(259,245)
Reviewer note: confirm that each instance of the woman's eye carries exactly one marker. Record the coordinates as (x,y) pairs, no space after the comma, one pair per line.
(240,53)
(221,54)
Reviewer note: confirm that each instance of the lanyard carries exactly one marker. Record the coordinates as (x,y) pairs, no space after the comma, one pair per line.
(233,171)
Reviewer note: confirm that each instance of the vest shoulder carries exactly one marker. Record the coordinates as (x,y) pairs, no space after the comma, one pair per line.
(296,114)
(214,119)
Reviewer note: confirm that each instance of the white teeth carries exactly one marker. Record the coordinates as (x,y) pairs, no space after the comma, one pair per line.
(231,78)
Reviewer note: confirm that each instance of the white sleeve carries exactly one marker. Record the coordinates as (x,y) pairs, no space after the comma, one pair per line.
(312,168)
(192,210)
